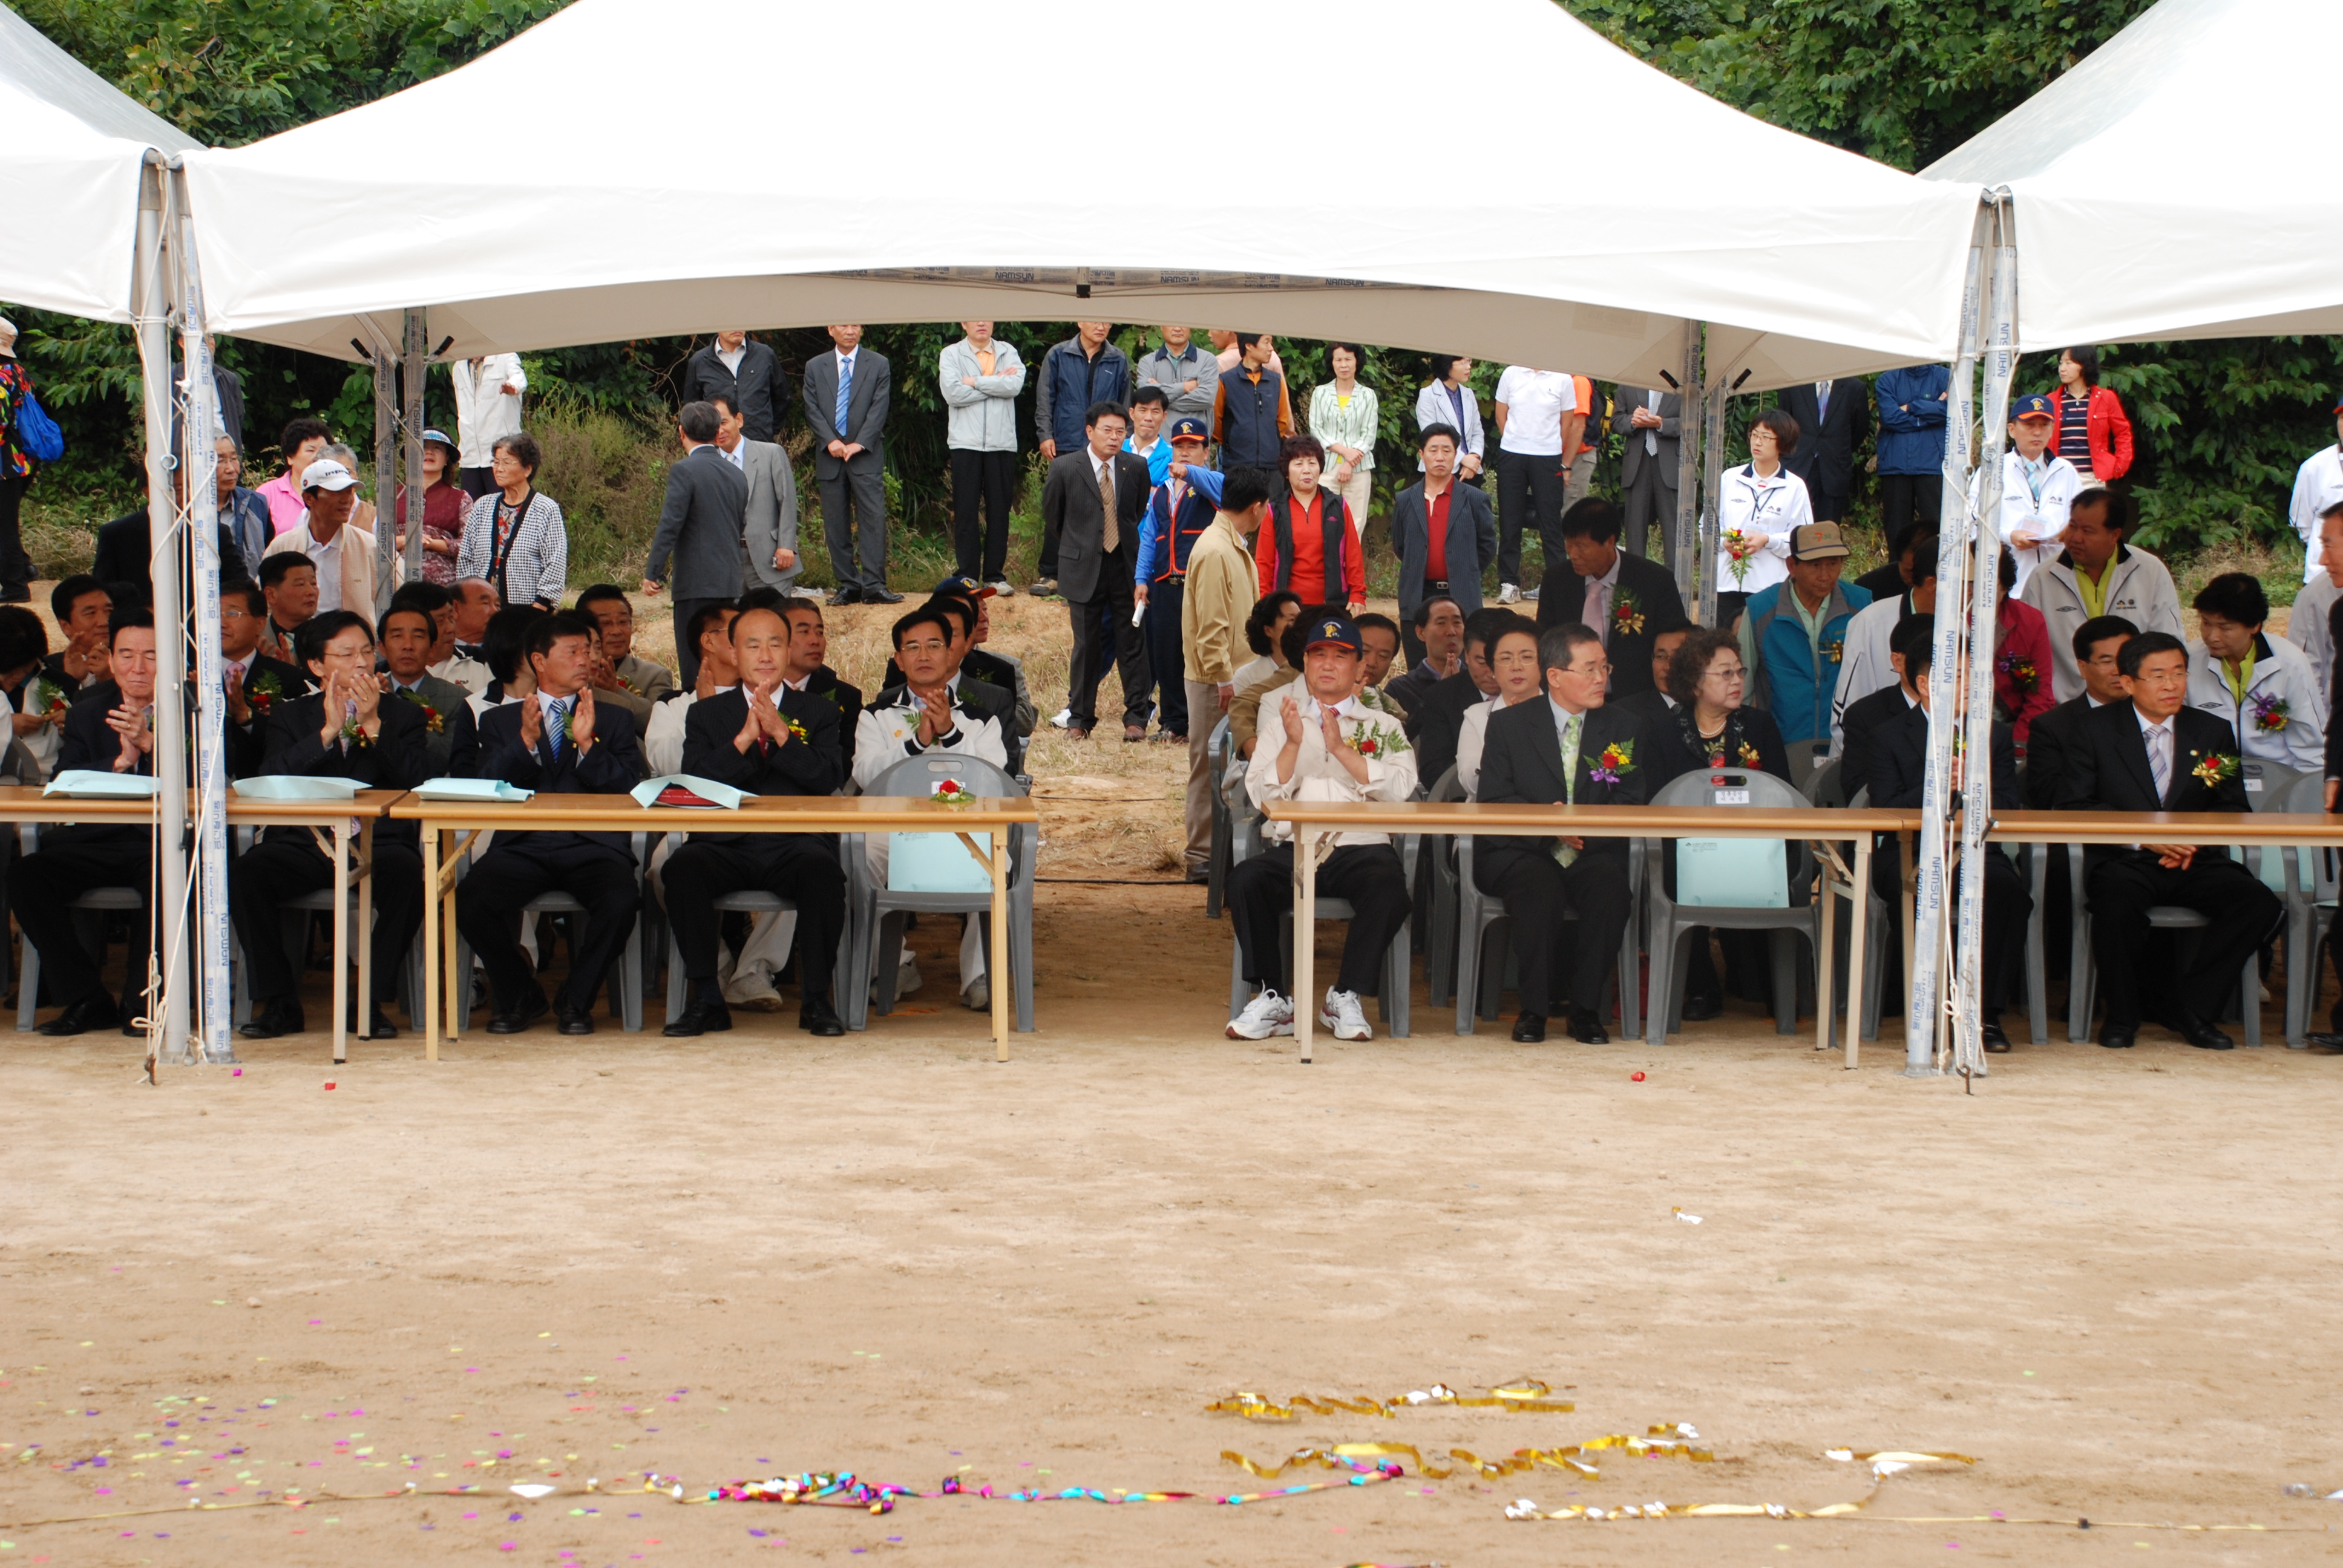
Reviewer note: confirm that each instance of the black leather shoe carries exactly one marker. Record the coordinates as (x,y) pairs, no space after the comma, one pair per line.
(94,1011)
(700,1017)
(1530,1027)
(2323,1044)
(844,595)
(282,1016)
(1200,876)
(881,595)
(1700,1008)
(575,1020)
(2200,1034)
(816,1016)
(532,1007)
(1587,1029)
(378,1027)
(2118,1036)
(1996,1042)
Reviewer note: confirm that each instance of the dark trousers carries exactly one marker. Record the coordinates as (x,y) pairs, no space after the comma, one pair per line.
(488,904)
(478,482)
(1560,960)
(854,520)
(1107,613)
(686,649)
(15,566)
(988,479)
(804,871)
(264,878)
(1728,609)
(1908,502)
(2007,904)
(40,885)
(1828,508)
(2244,914)
(1370,876)
(1167,657)
(1529,495)
(1651,502)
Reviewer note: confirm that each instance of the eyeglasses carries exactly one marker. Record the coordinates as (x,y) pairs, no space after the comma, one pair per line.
(1728,675)
(1592,671)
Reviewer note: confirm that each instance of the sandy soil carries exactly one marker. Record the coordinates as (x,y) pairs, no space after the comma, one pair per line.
(759,1253)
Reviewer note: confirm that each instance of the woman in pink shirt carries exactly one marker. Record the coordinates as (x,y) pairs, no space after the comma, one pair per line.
(301,442)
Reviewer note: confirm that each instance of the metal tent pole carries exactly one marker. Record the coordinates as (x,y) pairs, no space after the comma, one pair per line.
(1685,527)
(211,859)
(1711,419)
(417,366)
(168,1009)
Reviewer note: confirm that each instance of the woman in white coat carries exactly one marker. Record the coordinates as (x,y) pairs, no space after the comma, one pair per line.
(1758,504)
(2260,684)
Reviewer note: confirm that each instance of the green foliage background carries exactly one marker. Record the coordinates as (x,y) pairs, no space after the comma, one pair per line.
(2221,424)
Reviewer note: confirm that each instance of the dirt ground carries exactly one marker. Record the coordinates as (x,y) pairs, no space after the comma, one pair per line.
(549,1262)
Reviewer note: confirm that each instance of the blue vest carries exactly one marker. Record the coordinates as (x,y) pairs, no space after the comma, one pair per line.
(1248,430)
(1797,693)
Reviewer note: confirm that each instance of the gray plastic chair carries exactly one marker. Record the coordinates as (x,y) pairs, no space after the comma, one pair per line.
(875,914)
(1480,976)
(1671,924)
(1216,862)
(2311,893)
(1435,892)
(1878,924)
(1827,786)
(1807,757)
(626,980)
(1393,1001)
(95,902)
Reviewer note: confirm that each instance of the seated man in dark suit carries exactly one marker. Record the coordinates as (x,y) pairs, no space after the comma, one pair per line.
(112,730)
(1625,599)
(1653,710)
(351,728)
(1567,749)
(1866,718)
(766,738)
(1441,720)
(809,649)
(452,737)
(1898,761)
(2098,644)
(84,608)
(556,741)
(2155,753)
(254,682)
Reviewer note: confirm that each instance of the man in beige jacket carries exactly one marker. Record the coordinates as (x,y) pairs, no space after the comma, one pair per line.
(1220,594)
(343,556)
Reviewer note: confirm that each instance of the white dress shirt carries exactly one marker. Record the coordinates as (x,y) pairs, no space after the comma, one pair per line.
(1317,776)
(732,356)
(327,559)
(1535,401)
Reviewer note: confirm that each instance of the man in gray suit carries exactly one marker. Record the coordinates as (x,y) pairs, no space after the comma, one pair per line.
(699,526)
(1651,423)
(845,393)
(1096,551)
(768,534)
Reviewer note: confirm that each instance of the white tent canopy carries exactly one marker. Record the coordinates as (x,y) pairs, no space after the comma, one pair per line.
(71,146)
(529,202)
(2177,183)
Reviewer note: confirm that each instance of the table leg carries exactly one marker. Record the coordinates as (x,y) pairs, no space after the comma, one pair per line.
(998,962)
(365,920)
(459,979)
(1305,934)
(341,939)
(1859,926)
(1910,887)
(430,944)
(1825,1004)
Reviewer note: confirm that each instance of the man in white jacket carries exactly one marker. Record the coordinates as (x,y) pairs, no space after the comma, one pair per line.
(2037,487)
(2097,574)
(487,408)
(2259,683)
(2317,484)
(1326,746)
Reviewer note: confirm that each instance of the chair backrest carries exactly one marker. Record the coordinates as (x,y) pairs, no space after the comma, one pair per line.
(917,777)
(1216,745)
(2305,794)
(1737,873)
(1806,757)
(1827,786)
(2266,784)
(1447,787)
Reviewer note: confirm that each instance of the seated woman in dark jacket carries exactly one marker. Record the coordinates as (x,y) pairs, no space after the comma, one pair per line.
(1710,728)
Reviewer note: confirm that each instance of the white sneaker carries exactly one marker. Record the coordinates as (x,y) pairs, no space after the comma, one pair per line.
(908,979)
(1001,589)
(1342,1017)
(979,994)
(1509,593)
(1266,1014)
(1532,596)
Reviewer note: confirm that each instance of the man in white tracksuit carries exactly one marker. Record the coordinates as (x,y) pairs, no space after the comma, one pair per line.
(2097,574)
(2317,484)
(2037,487)
(2260,682)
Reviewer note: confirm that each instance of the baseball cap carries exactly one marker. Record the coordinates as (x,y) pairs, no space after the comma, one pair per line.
(325,474)
(965,588)
(2033,405)
(1816,542)
(1338,631)
(443,438)
(1187,427)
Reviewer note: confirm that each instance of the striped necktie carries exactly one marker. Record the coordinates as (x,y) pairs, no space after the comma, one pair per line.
(2159,759)
(845,394)
(557,726)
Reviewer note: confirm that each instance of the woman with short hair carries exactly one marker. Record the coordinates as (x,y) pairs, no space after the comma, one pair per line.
(1345,415)
(1758,505)
(2094,431)
(513,537)
(445,507)
(1310,542)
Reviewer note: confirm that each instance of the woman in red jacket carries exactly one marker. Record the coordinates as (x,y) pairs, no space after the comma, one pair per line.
(2094,431)
(2021,658)
(1309,544)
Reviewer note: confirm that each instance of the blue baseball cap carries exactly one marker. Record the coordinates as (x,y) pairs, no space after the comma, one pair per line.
(965,588)
(1336,631)
(1187,427)
(2033,405)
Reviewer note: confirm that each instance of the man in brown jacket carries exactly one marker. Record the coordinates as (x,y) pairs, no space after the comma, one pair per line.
(1219,593)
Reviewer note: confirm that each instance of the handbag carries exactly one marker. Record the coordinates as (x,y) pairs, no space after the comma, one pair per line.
(37,434)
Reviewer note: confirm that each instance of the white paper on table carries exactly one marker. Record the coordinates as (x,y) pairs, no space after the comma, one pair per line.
(293,787)
(93,784)
(718,797)
(471,790)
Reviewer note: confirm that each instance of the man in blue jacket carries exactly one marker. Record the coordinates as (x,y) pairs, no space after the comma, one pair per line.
(1185,503)
(1793,634)
(1912,402)
(1082,370)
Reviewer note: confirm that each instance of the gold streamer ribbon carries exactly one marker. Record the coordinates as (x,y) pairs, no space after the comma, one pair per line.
(1884,1464)
(1520,1394)
(1671,1439)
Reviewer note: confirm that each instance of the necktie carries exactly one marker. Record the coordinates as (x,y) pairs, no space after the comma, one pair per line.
(1821,399)
(557,727)
(845,394)
(1106,503)
(1598,614)
(1570,730)
(1652,437)
(2159,761)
